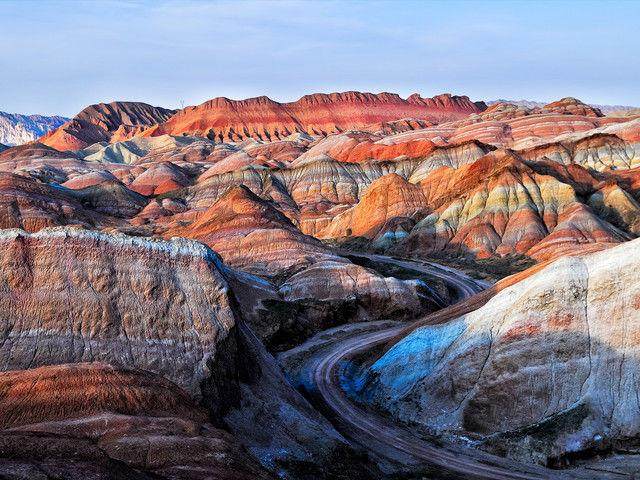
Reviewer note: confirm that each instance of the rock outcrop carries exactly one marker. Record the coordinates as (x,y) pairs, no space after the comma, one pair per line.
(30,205)
(545,368)
(496,205)
(120,349)
(75,296)
(111,198)
(370,296)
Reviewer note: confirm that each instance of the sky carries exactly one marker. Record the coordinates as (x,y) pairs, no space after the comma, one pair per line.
(57,57)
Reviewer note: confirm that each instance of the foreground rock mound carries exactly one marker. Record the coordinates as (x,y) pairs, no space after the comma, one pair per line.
(75,296)
(131,304)
(94,421)
(547,367)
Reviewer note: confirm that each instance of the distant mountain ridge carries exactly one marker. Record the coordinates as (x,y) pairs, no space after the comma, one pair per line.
(260,118)
(16,129)
(605,109)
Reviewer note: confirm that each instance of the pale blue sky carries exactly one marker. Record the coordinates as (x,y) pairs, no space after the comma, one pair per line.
(57,57)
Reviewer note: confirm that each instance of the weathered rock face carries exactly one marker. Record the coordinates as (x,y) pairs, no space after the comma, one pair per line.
(222,119)
(163,307)
(279,427)
(98,123)
(617,205)
(312,194)
(68,391)
(387,198)
(613,147)
(112,198)
(74,296)
(556,353)
(90,419)
(513,209)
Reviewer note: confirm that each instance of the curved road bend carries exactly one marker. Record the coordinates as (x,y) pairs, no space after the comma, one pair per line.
(463,284)
(379,434)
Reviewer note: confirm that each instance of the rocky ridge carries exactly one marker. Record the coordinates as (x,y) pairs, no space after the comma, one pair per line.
(104,122)
(222,119)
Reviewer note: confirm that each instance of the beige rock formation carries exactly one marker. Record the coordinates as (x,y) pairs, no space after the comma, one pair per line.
(550,360)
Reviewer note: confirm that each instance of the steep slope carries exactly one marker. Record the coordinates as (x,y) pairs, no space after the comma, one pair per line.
(611,147)
(388,198)
(16,129)
(511,209)
(545,368)
(102,122)
(222,119)
(251,234)
(137,310)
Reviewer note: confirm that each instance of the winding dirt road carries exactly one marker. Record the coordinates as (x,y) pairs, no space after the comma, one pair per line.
(381,436)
